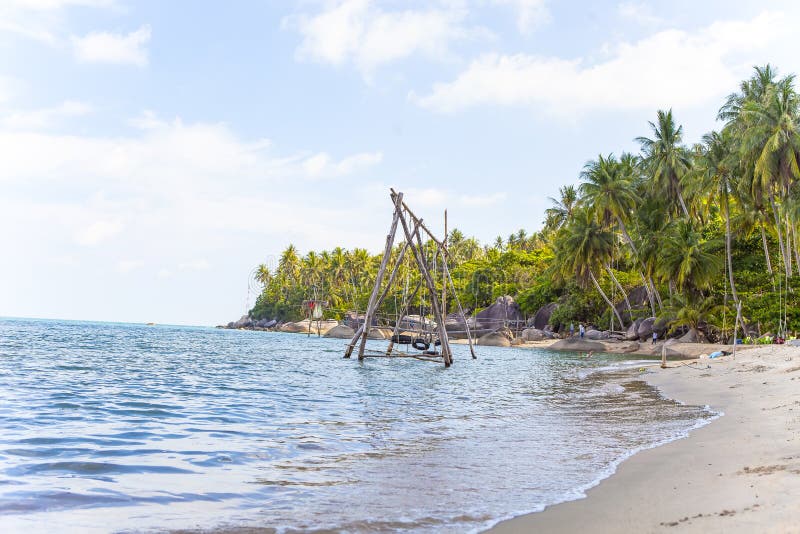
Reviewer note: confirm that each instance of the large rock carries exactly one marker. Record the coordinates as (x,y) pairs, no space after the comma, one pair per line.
(533,334)
(302,327)
(503,312)
(541,318)
(577,344)
(376,333)
(295,328)
(638,299)
(494,339)
(340,332)
(633,331)
(595,335)
(645,330)
(354,320)
(692,336)
(244,322)
(629,346)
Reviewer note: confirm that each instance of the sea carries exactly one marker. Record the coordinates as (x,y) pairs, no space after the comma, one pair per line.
(108,427)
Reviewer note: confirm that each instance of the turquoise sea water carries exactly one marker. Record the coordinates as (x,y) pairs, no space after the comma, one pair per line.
(112,427)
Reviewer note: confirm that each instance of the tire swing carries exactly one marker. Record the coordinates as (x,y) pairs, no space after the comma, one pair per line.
(420,344)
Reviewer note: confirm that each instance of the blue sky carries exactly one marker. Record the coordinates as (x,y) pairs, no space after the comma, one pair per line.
(154,152)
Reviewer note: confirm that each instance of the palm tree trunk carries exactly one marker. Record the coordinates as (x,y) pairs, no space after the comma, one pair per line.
(778,230)
(789,247)
(729,253)
(624,294)
(656,293)
(602,294)
(649,288)
(766,248)
(796,249)
(650,296)
(680,199)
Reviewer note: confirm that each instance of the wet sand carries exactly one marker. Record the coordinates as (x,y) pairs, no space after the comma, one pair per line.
(740,473)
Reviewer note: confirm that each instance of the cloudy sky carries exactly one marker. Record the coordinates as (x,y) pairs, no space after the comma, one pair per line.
(152,153)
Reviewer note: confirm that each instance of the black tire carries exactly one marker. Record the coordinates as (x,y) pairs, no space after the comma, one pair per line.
(420,344)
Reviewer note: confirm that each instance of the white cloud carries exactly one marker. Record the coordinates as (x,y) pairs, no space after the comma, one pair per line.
(128,266)
(176,180)
(106,47)
(482,200)
(41,118)
(41,20)
(530,13)
(640,13)
(321,164)
(669,68)
(359,32)
(148,120)
(98,232)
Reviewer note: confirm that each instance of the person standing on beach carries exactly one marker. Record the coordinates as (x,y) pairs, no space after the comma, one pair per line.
(581,330)
(571,329)
(655,336)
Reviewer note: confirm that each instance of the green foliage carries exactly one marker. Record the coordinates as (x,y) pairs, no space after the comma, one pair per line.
(703,226)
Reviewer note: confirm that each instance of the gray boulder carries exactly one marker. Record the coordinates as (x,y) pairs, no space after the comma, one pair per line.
(494,339)
(645,330)
(595,335)
(244,322)
(534,334)
(541,318)
(376,333)
(692,336)
(632,333)
(629,346)
(504,311)
(340,332)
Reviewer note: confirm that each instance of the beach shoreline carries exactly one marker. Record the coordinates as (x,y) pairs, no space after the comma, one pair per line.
(740,473)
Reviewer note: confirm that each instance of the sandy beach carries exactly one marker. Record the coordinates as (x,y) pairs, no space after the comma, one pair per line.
(740,473)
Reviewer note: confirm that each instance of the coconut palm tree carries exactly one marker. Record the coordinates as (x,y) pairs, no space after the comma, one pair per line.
(714,178)
(585,246)
(263,274)
(666,160)
(686,259)
(608,191)
(772,135)
(561,210)
(289,263)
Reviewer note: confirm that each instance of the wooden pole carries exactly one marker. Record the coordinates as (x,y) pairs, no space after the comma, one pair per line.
(417,249)
(363,331)
(444,268)
(461,312)
(387,253)
(416,219)
(447,355)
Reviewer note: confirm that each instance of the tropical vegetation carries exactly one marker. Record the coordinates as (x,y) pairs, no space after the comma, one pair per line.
(687,233)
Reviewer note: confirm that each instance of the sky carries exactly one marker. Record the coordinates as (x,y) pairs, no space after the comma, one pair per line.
(153,153)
